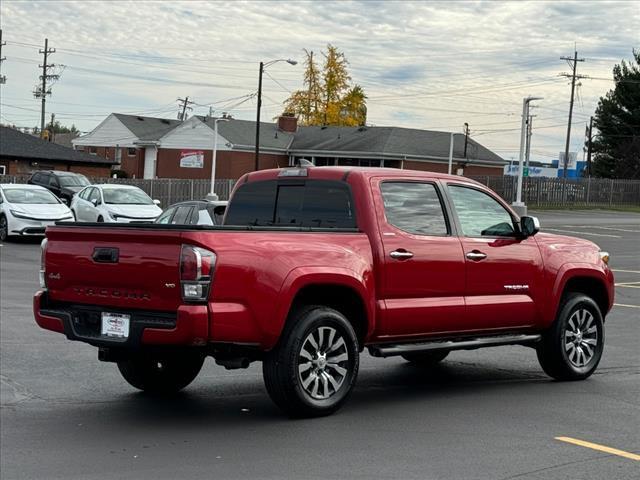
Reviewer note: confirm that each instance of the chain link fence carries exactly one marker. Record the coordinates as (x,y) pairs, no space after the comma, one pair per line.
(536,192)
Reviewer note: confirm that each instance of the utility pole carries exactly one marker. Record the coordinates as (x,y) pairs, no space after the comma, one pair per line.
(257,146)
(528,146)
(184,105)
(519,205)
(466,139)
(573,63)
(589,145)
(41,91)
(3,78)
(53,118)
(311,86)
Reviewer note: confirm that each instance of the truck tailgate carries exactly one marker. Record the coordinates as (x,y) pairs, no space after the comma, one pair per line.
(118,267)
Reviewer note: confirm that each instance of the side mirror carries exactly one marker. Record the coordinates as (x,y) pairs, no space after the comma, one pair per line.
(65,201)
(156,201)
(95,202)
(529,226)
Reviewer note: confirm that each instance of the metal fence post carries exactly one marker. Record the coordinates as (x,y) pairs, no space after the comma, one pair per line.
(588,190)
(151,189)
(169,192)
(191,190)
(611,194)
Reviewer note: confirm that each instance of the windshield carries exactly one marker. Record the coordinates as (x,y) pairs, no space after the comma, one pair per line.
(29,195)
(74,181)
(126,196)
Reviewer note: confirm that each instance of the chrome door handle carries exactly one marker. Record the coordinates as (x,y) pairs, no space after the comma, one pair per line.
(475,255)
(401,254)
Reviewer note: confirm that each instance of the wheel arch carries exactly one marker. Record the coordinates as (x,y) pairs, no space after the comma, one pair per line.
(594,283)
(342,291)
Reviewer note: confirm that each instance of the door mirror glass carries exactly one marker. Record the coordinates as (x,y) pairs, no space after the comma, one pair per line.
(156,201)
(65,201)
(529,226)
(94,201)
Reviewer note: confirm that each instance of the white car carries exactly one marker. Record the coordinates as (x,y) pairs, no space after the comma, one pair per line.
(114,203)
(29,209)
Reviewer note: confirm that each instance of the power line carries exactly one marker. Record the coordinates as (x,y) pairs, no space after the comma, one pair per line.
(184,106)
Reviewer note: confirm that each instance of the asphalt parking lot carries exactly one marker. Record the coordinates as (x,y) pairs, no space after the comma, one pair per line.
(486,414)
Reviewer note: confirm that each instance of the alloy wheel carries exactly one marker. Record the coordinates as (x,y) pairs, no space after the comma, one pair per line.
(323,363)
(580,338)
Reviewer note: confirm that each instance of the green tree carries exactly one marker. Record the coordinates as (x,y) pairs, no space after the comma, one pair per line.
(57,128)
(616,147)
(328,97)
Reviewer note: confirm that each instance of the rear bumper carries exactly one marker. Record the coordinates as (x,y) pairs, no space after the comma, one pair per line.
(189,325)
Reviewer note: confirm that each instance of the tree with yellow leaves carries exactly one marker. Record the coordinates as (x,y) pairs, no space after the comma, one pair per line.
(328,98)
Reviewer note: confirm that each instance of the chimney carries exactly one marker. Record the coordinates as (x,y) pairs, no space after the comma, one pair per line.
(288,122)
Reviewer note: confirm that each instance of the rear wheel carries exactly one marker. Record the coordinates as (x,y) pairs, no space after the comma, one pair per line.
(4,228)
(75,217)
(100,219)
(426,359)
(313,369)
(571,349)
(161,374)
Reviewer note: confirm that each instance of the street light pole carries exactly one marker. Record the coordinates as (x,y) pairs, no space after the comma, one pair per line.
(212,195)
(260,72)
(519,204)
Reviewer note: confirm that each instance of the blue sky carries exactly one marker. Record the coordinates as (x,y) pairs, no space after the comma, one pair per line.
(425,65)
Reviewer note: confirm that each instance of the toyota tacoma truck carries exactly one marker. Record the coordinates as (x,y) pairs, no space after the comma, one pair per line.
(314,264)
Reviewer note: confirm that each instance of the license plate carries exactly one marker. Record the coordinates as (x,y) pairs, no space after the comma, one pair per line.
(115,324)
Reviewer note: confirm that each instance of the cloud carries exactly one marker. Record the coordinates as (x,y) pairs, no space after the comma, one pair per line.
(422,64)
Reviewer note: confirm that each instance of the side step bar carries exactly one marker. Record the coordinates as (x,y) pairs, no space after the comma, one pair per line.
(390,350)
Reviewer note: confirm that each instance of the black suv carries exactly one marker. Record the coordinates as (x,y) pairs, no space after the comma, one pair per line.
(63,184)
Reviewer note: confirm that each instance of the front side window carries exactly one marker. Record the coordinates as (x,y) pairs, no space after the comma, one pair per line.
(414,208)
(94,195)
(480,214)
(30,196)
(126,196)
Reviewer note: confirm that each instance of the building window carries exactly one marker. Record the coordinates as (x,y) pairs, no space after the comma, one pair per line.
(93,150)
(3,169)
(131,152)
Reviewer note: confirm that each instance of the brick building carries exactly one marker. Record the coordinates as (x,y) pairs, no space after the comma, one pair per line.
(22,154)
(153,147)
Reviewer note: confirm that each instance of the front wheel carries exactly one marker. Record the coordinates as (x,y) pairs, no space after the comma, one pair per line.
(313,369)
(571,349)
(161,374)
(4,228)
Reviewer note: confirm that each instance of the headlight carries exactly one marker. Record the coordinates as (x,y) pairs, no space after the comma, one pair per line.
(19,214)
(604,256)
(114,215)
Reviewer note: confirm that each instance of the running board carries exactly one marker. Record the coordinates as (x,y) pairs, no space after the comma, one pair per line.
(390,350)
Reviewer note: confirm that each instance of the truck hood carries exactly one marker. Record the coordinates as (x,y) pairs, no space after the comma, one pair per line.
(570,249)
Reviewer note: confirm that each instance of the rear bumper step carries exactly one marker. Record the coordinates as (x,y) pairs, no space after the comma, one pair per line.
(390,350)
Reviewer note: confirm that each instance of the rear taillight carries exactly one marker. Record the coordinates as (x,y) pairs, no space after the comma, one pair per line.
(43,273)
(197,266)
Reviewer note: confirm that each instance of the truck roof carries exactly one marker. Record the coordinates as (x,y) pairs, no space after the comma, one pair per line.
(341,173)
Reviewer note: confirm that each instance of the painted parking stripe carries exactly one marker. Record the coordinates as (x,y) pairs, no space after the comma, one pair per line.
(625,305)
(615,229)
(625,271)
(583,233)
(601,448)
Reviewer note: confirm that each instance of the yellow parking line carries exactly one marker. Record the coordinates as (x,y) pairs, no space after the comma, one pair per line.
(602,448)
(625,305)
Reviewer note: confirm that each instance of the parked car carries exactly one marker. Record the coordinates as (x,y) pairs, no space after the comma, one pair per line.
(114,203)
(28,210)
(311,266)
(63,184)
(195,212)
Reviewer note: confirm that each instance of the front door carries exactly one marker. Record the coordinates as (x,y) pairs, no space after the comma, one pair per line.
(504,271)
(422,291)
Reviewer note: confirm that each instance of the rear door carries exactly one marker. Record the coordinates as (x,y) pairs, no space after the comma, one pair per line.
(423,265)
(504,272)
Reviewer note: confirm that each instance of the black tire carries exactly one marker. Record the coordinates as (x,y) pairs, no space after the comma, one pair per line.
(75,217)
(426,359)
(4,228)
(283,367)
(557,357)
(163,374)
(100,219)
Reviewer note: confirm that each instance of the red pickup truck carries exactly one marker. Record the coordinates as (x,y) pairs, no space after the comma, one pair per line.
(314,264)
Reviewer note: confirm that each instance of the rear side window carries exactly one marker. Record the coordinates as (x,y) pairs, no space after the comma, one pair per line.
(182,215)
(312,203)
(414,208)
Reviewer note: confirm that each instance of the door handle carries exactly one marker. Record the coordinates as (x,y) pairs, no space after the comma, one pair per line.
(401,254)
(476,255)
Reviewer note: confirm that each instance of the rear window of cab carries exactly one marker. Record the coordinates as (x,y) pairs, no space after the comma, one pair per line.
(292,203)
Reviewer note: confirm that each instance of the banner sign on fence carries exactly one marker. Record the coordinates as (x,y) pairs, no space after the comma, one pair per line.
(192,159)
(512,170)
